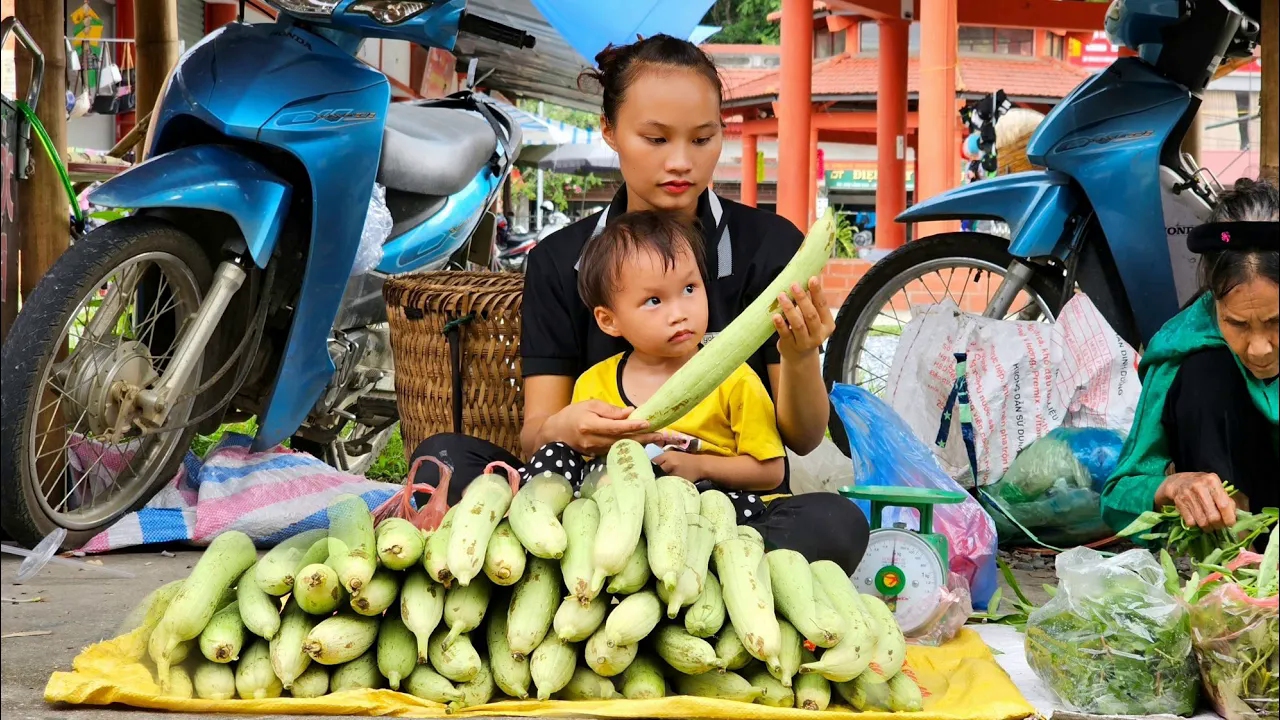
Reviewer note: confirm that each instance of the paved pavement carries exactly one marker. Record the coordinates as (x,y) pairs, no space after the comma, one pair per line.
(78,609)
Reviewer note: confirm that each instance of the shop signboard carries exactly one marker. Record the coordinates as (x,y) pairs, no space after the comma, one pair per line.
(1096,52)
(855,177)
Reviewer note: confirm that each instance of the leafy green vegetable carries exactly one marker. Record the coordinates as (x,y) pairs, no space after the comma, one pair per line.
(1114,641)
(1234,626)
(1180,539)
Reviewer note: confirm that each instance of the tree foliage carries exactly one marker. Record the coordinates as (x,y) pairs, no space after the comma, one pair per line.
(570,116)
(744,21)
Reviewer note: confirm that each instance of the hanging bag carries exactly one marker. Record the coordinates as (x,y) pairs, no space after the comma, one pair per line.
(128,99)
(106,99)
(78,83)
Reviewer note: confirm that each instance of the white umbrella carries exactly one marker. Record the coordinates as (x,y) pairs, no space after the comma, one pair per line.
(594,157)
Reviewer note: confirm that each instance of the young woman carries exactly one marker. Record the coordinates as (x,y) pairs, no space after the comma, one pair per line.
(1208,411)
(661,113)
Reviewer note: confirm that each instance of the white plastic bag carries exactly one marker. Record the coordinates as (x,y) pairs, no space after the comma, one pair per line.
(1025,379)
(377,228)
(826,469)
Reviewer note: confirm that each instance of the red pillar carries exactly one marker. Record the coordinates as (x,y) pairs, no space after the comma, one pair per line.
(795,183)
(750,190)
(124,29)
(937,167)
(812,199)
(891,134)
(218,14)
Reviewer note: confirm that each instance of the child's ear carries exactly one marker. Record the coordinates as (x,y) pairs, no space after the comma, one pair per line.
(607,321)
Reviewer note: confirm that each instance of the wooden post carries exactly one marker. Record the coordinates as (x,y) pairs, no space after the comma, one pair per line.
(1269,102)
(156,34)
(43,209)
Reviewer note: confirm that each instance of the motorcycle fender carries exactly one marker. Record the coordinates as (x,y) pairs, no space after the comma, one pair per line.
(1035,204)
(207,177)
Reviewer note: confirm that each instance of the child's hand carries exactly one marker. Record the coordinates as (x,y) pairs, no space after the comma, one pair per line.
(805,324)
(681,464)
(592,426)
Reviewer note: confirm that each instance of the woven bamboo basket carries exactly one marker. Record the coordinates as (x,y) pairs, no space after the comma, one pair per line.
(1013,159)
(485,309)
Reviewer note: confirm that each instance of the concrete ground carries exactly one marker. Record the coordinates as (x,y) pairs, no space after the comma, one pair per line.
(77,609)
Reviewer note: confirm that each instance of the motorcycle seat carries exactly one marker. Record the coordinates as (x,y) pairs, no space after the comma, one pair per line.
(432,150)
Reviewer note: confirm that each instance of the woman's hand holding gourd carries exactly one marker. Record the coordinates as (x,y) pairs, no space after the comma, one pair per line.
(803,324)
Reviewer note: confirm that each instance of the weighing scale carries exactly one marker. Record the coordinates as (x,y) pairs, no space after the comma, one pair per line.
(906,569)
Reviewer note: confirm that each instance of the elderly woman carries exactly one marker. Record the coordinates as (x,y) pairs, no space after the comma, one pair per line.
(1208,412)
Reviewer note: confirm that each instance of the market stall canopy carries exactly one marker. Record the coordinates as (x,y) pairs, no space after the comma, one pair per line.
(541,135)
(569,33)
(589,158)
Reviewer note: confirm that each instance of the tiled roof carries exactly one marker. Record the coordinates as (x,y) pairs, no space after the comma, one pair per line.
(740,49)
(736,77)
(859,75)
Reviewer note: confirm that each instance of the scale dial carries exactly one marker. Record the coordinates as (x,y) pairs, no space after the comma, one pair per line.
(906,572)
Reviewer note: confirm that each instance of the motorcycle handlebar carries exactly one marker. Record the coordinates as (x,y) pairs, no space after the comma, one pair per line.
(11,24)
(495,31)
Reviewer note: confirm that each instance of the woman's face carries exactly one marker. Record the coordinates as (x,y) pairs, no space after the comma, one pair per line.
(668,138)
(1249,317)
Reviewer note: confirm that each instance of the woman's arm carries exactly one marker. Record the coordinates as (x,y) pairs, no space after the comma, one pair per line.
(544,396)
(742,472)
(799,391)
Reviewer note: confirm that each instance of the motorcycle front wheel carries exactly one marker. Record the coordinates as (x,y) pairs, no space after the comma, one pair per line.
(965,267)
(105,320)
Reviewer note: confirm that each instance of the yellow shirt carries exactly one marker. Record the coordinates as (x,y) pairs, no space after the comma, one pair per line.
(737,419)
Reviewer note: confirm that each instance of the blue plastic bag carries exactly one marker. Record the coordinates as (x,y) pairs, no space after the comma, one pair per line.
(886,453)
(1053,488)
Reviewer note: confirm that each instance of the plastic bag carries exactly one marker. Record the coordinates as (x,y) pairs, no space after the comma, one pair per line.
(1113,641)
(1053,488)
(826,469)
(886,453)
(955,605)
(377,228)
(1235,638)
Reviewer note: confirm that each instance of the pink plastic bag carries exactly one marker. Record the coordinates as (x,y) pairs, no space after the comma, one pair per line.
(1229,629)
(432,514)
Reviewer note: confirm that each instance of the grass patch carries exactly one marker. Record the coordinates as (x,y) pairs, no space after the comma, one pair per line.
(202,444)
(391,465)
(895,330)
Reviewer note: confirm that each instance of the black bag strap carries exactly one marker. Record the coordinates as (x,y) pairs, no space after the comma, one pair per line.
(453,334)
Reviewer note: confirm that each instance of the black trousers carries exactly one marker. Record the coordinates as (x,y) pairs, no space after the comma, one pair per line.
(1213,426)
(819,526)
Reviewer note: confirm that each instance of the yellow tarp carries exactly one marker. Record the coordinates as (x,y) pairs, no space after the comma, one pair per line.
(961,681)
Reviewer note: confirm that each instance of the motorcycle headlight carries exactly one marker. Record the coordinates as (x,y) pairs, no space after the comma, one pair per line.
(388,12)
(307,7)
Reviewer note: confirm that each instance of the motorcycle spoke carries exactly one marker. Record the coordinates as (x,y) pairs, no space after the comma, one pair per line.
(113,469)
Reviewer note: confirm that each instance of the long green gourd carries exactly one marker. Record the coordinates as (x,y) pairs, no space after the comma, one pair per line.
(714,363)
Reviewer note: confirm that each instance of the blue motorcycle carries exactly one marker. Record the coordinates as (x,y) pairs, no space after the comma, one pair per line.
(1108,215)
(229,293)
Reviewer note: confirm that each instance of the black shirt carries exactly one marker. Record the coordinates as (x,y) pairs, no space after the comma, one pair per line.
(746,248)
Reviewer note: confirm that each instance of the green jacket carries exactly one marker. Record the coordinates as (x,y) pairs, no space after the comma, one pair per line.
(1131,490)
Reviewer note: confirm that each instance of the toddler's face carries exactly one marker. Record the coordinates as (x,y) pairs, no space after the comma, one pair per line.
(661,311)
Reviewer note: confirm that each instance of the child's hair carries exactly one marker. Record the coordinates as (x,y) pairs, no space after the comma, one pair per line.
(617,66)
(666,234)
